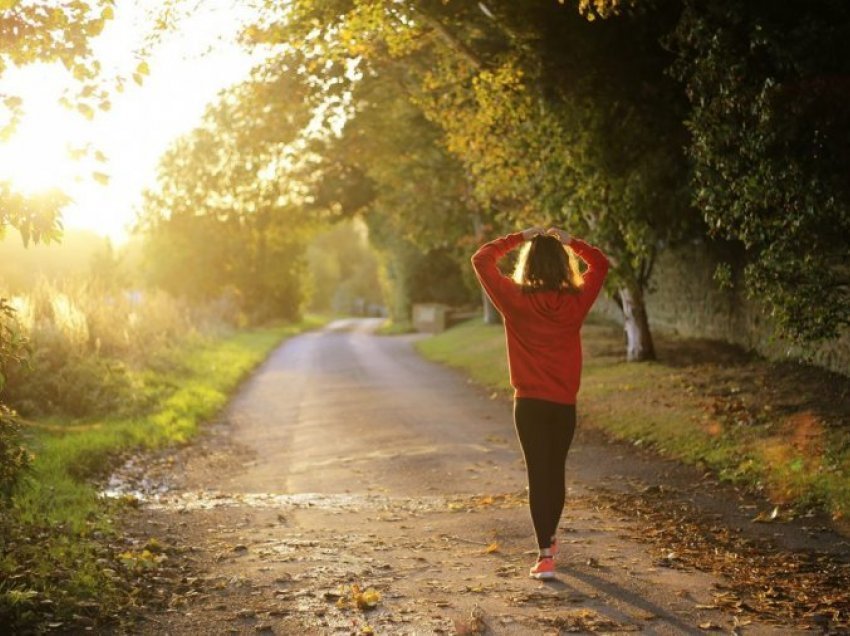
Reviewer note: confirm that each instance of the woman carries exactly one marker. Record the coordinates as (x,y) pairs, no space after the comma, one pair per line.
(544,307)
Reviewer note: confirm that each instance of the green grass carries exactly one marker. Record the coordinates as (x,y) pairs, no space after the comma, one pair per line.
(474,347)
(395,328)
(682,411)
(58,500)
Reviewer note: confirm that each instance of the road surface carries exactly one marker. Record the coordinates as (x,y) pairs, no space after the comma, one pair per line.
(348,464)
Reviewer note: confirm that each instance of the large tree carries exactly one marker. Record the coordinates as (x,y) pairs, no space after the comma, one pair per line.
(769,86)
(419,212)
(227,212)
(552,117)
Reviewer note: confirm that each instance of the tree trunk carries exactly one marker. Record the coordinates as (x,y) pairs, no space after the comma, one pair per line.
(636,325)
(491,314)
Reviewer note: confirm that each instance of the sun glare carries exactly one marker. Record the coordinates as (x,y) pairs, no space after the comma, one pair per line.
(187,69)
(37,157)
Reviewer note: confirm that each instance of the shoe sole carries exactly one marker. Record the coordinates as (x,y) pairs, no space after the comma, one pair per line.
(542,575)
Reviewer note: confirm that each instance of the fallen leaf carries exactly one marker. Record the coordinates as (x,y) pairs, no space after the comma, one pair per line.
(765,517)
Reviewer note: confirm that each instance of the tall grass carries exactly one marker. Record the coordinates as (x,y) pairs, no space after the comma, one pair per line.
(86,342)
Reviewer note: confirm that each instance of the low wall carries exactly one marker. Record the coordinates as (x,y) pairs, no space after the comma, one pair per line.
(684,299)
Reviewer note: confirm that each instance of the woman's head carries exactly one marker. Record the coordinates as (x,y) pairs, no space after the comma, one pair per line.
(545,264)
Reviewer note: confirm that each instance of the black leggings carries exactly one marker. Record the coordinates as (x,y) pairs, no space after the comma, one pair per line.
(545,430)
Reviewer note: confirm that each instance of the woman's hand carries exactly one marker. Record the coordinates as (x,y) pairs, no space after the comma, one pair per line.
(531,232)
(559,234)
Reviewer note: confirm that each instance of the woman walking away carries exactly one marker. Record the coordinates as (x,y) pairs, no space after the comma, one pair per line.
(544,307)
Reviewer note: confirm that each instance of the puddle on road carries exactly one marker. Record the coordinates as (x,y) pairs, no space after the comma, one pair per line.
(157,492)
(206,500)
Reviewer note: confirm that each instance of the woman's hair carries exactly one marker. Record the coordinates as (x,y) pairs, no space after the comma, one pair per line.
(545,264)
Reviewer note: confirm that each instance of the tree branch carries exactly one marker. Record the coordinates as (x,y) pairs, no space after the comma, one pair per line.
(451,40)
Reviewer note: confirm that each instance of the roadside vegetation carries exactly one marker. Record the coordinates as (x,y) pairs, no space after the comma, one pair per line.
(91,376)
(395,327)
(775,427)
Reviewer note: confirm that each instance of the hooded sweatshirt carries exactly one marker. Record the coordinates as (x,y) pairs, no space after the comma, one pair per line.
(542,328)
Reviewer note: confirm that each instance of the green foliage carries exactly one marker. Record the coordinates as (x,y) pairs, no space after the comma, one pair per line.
(14,458)
(769,123)
(74,386)
(51,553)
(344,270)
(86,345)
(226,217)
(545,118)
(419,213)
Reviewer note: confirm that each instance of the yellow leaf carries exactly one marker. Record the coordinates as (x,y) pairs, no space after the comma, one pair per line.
(493,547)
(96,27)
(86,110)
(108,13)
(101,177)
(367,599)
(143,68)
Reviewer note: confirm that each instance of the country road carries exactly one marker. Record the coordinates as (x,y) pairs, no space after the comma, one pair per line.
(347,462)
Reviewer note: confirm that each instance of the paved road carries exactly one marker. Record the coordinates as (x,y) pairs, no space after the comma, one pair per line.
(341,409)
(347,460)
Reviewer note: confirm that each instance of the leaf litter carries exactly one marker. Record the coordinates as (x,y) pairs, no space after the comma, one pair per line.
(782,587)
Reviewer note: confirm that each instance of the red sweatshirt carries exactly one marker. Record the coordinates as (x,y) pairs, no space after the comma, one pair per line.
(542,328)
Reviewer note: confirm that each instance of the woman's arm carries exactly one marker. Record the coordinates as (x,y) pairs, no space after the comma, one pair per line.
(597,266)
(498,286)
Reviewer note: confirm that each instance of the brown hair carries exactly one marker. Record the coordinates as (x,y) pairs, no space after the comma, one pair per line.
(546,264)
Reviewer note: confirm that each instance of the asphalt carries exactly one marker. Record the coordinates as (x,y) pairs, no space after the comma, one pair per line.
(348,462)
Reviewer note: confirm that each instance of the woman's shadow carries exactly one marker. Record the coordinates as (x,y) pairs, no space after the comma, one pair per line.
(611,590)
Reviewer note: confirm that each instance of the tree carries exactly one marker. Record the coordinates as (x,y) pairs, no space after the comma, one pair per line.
(419,214)
(227,212)
(768,87)
(344,270)
(552,118)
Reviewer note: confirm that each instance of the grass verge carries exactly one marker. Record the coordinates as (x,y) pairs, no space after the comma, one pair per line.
(775,427)
(395,328)
(56,565)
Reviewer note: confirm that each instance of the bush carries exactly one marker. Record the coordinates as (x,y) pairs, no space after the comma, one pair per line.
(14,458)
(88,345)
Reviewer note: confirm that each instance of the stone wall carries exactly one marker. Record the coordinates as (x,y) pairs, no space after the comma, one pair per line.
(684,299)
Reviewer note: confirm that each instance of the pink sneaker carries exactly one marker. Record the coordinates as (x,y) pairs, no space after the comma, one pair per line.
(543,569)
